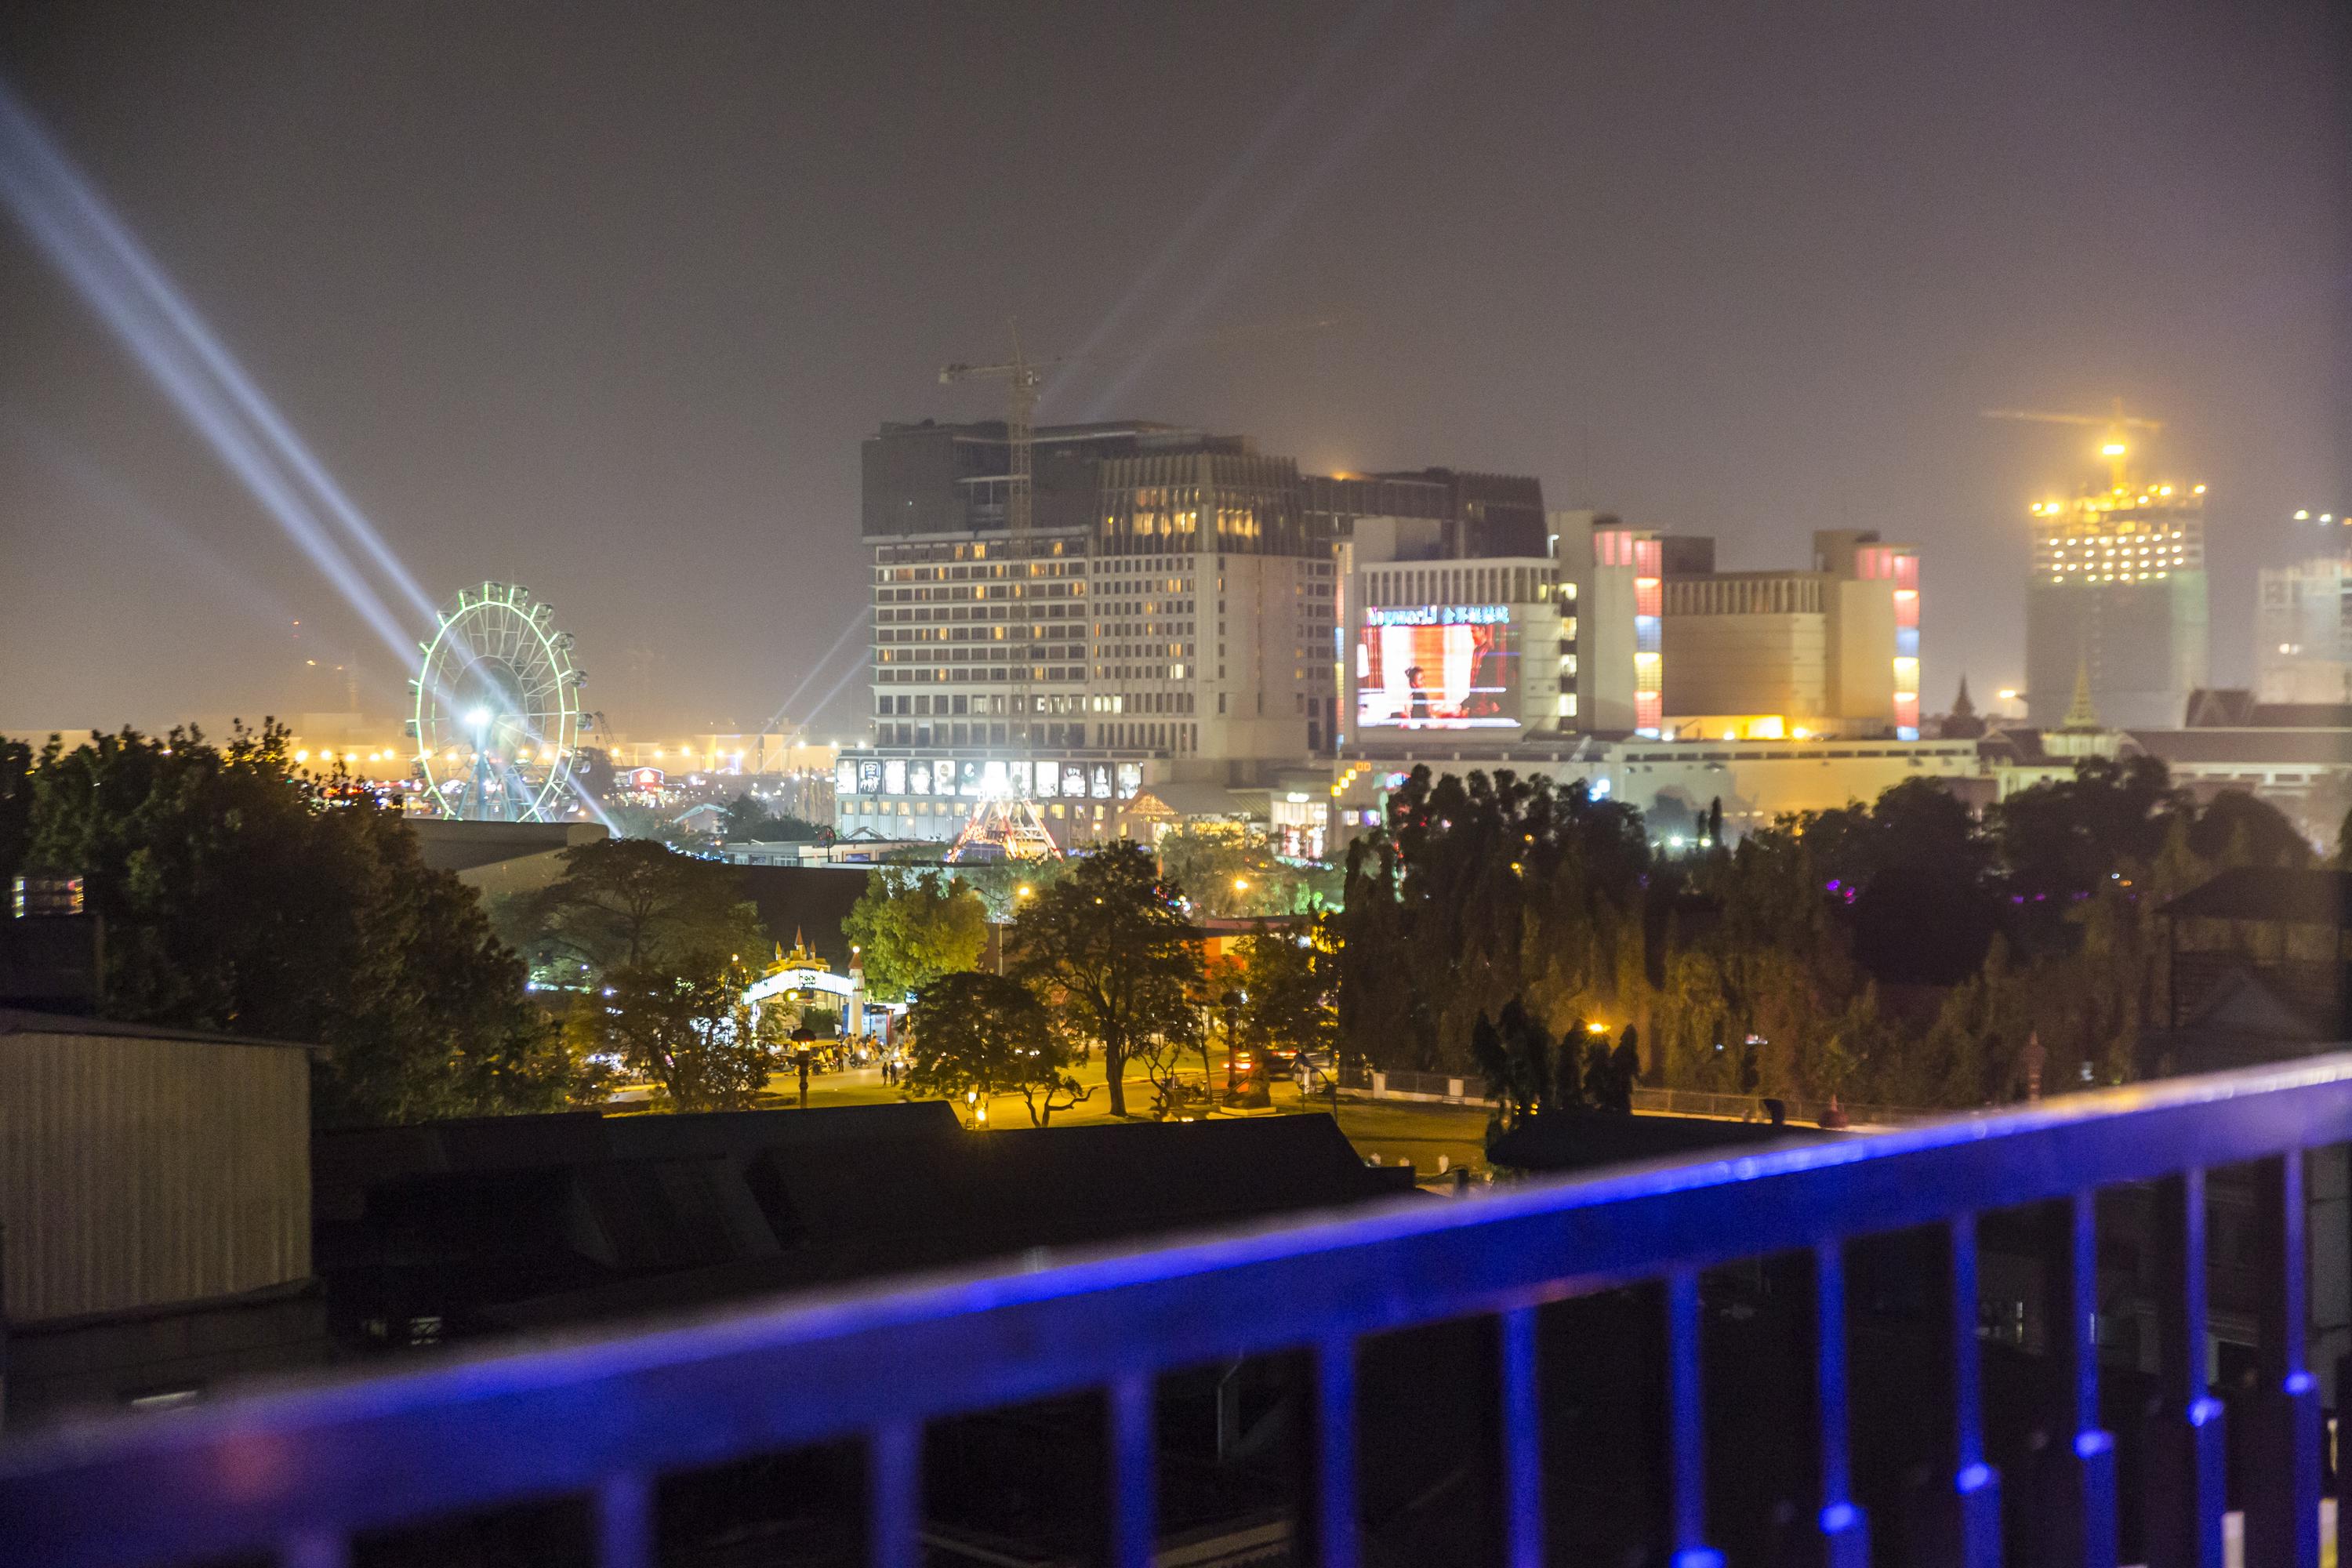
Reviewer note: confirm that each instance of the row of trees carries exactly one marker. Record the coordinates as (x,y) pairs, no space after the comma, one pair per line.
(235,898)
(1102,957)
(1902,951)
(240,894)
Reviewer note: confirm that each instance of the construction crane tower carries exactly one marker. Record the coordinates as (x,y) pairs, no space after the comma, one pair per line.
(2115,445)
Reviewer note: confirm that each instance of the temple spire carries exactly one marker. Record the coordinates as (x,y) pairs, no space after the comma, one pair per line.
(2079,714)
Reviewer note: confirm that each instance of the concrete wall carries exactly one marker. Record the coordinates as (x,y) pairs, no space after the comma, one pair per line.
(1861,652)
(1747,664)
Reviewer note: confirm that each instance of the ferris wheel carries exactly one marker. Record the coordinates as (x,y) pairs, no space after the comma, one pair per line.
(498,719)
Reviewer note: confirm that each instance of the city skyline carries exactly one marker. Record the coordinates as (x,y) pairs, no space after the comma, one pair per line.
(613,324)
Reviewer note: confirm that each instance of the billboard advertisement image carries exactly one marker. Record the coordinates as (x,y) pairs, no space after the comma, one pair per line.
(1437,666)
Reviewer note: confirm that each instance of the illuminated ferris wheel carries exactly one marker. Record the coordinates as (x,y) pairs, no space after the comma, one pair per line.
(498,719)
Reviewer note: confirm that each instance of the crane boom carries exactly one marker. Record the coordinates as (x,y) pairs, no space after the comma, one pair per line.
(2114,446)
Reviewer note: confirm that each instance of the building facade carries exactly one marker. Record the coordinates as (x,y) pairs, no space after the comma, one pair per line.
(1433,641)
(1617,574)
(1170,613)
(2118,590)
(2303,632)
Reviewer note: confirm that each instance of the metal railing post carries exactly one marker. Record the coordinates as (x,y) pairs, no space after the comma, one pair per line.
(1844,1530)
(1336,1542)
(1523,1500)
(1686,1425)
(894,1500)
(1976,1485)
(624,1522)
(2186,1460)
(1134,1473)
(2282,1505)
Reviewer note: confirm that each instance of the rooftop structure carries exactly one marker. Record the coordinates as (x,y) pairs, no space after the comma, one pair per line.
(156,1208)
(2015,1437)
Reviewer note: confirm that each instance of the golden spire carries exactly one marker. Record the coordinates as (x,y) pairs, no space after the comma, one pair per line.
(2079,714)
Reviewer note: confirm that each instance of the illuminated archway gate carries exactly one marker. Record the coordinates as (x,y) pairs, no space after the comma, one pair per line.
(497,718)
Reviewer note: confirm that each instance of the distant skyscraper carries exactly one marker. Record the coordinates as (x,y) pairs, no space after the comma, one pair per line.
(2118,593)
(2303,632)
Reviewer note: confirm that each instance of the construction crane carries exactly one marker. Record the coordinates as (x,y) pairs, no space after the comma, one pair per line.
(2113,446)
(1022,378)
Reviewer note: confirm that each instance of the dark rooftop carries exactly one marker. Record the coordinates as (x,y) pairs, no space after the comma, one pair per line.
(533,1222)
(2311,897)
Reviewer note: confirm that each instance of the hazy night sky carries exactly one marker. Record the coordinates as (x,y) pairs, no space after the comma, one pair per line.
(601,300)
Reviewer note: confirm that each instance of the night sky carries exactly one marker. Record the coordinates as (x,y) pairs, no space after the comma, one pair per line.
(601,300)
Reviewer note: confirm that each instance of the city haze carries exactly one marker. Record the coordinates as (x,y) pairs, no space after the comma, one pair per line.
(602,302)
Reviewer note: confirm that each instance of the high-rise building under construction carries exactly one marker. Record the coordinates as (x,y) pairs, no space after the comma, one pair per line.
(2119,596)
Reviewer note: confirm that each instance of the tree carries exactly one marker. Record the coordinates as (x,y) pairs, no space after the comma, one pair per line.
(1483,890)
(16,806)
(627,903)
(691,1032)
(989,1034)
(2236,829)
(1289,984)
(748,817)
(913,926)
(1526,1076)
(239,897)
(1611,1076)
(1230,872)
(1109,946)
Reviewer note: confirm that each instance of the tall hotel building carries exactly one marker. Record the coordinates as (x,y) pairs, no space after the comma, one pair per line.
(1170,616)
(2118,595)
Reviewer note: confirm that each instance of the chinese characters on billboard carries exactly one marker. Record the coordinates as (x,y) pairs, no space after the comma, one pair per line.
(985,778)
(1437,666)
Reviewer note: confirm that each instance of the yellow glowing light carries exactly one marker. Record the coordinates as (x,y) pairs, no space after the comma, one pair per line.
(2112,449)
(301,756)
(2302,516)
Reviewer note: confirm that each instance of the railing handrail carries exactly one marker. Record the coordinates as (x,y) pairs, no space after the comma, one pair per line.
(258,1471)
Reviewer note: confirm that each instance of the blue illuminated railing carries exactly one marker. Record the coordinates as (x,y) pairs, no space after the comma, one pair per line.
(299,1474)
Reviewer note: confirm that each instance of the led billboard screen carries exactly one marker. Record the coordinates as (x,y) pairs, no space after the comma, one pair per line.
(1437,666)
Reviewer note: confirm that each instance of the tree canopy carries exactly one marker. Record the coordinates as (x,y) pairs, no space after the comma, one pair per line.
(627,903)
(240,897)
(1111,949)
(911,926)
(1900,952)
(990,1034)
(1290,986)
(748,817)
(688,1030)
